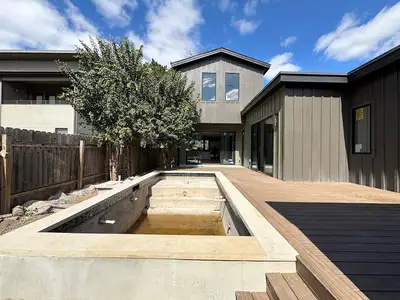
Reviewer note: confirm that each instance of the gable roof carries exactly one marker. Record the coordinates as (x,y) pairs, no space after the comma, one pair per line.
(264,66)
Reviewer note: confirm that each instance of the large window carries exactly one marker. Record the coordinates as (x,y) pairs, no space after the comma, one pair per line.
(362,129)
(208,87)
(231,86)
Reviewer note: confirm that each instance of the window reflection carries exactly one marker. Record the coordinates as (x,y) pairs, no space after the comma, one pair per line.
(231,86)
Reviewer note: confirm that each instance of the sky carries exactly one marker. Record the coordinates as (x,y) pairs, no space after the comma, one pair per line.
(292,35)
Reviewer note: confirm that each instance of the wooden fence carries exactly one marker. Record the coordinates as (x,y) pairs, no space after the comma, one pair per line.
(36,165)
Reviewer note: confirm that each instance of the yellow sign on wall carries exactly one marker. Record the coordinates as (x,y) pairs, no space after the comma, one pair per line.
(360,114)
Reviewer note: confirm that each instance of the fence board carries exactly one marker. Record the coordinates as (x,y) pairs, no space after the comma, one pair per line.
(44,163)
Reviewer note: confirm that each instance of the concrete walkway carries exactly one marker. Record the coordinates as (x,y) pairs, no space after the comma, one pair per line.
(351,233)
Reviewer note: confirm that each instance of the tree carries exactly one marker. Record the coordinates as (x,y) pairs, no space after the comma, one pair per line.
(127,100)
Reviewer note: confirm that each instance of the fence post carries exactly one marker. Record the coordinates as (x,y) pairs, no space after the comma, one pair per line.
(81,162)
(6,156)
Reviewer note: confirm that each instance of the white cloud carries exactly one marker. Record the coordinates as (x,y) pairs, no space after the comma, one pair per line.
(289,41)
(225,5)
(117,12)
(20,26)
(232,94)
(281,62)
(170,38)
(245,26)
(353,40)
(250,7)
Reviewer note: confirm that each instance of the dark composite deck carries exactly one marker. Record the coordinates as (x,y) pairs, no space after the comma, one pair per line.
(351,233)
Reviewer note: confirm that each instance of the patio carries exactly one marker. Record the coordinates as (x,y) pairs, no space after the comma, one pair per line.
(349,233)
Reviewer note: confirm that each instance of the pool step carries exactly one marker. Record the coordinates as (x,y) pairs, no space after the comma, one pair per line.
(185,191)
(288,286)
(182,211)
(186,202)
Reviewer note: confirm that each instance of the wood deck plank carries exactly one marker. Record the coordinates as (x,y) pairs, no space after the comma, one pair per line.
(260,296)
(278,288)
(299,288)
(322,213)
(243,295)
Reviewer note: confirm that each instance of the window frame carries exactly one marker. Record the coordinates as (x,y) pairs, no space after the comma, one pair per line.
(233,73)
(57,129)
(202,92)
(353,123)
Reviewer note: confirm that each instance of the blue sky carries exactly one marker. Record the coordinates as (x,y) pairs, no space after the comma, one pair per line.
(293,35)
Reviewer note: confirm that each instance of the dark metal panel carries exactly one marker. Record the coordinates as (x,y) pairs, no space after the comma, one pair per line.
(391,132)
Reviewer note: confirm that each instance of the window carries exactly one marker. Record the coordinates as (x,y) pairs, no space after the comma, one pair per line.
(62,130)
(362,129)
(232,86)
(209,87)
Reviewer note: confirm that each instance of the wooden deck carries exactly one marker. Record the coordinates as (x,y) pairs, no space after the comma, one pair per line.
(350,233)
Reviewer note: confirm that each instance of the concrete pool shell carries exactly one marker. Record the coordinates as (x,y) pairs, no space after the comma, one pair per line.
(41,260)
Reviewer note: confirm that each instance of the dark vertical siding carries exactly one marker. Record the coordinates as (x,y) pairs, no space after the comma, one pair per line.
(379,169)
(314,138)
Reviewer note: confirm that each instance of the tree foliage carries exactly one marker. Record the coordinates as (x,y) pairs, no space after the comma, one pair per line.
(128,100)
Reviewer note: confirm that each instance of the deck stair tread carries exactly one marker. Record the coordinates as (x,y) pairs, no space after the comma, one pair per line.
(252,296)
(288,287)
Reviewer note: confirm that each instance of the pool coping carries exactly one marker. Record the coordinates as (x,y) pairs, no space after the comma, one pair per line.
(266,244)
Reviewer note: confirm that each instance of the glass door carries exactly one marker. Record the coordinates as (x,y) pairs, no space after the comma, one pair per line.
(227,153)
(269,145)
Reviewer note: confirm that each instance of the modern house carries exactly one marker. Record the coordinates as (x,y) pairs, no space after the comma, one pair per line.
(225,82)
(300,126)
(30,82)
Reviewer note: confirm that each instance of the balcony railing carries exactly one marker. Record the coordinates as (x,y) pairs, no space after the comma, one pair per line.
(40,102)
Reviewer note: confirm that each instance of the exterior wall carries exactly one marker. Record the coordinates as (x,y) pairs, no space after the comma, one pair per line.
(270,106)
(314,144)
(41,117)
(34,66)
(221,111)
(379,169)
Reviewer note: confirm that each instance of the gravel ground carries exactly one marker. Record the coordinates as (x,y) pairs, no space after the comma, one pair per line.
(9,224)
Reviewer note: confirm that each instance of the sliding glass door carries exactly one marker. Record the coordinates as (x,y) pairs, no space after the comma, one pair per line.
(227,153)
(268,145)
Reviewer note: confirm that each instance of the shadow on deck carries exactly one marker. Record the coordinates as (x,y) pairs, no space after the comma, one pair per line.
(362,240)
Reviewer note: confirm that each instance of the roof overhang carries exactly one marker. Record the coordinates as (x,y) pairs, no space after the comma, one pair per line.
(264,66)
(382,61)
(293,77)
(37,55)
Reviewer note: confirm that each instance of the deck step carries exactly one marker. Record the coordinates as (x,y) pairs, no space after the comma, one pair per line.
(312,277)
(252,296)
(288,287)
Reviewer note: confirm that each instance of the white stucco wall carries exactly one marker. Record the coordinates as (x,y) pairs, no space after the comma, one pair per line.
(41,117)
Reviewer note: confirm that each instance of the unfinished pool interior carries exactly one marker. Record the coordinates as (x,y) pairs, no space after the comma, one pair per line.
(99,244)
(176,204)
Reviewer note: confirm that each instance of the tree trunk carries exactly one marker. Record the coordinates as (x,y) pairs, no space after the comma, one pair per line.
(115,162)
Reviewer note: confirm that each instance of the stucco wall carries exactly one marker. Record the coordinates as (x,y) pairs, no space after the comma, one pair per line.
(314,147)
(42,117)
(222,111)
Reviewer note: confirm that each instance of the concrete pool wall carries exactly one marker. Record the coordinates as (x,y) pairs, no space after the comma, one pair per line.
(36,263)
